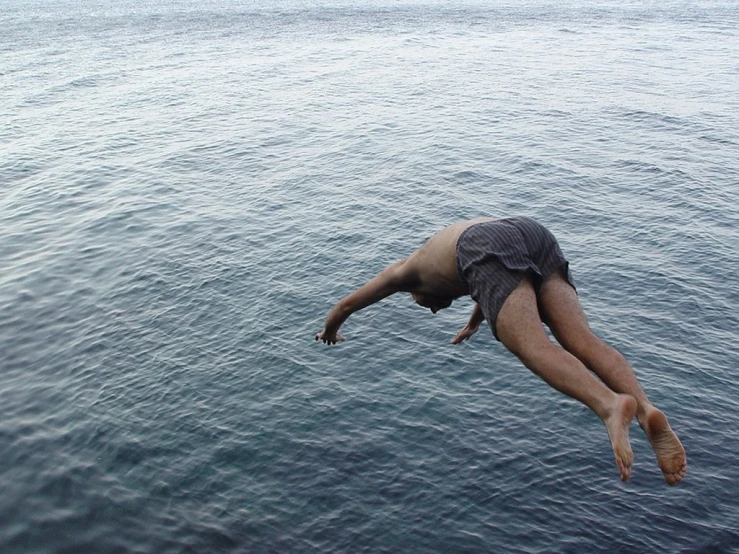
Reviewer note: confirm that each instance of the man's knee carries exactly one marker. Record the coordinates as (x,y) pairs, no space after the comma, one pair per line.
(592,351)
(534,356)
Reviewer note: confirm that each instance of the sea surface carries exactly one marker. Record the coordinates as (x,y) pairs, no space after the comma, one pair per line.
(186,188)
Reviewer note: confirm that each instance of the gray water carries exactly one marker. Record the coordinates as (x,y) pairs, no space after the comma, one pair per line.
(187,188)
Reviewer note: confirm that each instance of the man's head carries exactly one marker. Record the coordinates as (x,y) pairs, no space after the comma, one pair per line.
(433,303)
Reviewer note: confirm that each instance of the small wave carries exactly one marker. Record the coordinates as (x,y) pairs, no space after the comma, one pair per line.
(659,121)
(719,140)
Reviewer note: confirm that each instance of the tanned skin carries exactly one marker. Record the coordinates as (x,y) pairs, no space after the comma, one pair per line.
(581,365)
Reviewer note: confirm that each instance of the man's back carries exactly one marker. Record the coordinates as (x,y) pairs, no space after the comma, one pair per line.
(434,265)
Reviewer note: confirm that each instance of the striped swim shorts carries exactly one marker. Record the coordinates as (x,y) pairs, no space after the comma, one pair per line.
(493,257)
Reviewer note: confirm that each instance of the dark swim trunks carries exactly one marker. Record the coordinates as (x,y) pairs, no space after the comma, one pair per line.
(493,257)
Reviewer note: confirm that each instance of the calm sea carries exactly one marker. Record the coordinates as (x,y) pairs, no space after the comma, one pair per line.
(187,187)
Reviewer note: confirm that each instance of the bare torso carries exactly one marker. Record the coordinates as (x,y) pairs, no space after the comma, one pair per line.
(434,265)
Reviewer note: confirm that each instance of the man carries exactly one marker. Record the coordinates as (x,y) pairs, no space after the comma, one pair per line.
(514,270)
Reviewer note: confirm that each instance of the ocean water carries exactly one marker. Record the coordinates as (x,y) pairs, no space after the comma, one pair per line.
(186,188)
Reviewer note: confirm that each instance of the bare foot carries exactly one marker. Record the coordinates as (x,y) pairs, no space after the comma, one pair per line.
(617,424)
(670,453)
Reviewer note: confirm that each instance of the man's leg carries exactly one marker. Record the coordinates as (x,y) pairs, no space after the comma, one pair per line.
(520,329)
(564,315)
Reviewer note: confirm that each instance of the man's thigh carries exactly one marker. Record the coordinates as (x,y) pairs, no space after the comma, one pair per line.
(561,310)
(519,326)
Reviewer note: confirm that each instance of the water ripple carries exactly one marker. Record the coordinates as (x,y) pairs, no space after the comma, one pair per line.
(187,188)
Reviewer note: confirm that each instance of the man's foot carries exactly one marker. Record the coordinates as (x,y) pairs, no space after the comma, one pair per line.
(670,452)
(617,424)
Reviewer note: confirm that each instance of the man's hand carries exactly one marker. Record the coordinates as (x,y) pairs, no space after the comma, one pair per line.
(472,326)
(465,333)
(392,279)
(329,338)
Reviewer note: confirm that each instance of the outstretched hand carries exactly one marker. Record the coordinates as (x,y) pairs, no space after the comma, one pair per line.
(465,334)
(329,338)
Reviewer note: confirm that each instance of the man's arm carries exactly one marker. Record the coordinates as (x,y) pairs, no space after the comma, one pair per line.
(395,278)
(472,326)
